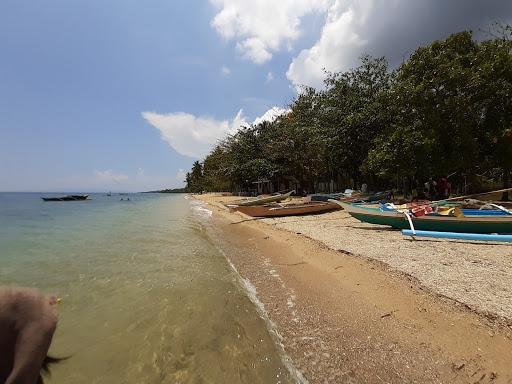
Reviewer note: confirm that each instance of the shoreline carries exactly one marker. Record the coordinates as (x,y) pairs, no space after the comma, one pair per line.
(252,294)
(348,318)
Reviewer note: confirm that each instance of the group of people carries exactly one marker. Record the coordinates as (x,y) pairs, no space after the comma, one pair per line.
(437,190)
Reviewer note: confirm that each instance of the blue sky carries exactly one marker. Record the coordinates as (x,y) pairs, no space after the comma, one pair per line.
(103,95)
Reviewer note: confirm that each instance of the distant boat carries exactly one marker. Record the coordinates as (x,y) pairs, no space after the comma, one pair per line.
(262,200)
(309,208)
(66,198)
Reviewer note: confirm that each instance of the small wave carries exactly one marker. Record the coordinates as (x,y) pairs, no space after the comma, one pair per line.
(202,211)
(252,293)
(199,209)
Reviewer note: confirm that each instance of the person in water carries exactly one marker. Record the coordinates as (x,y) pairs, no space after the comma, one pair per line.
(28,320)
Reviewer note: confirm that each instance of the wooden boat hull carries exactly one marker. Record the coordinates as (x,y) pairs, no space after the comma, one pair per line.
(263,200)
(331,196)
(467,224)
(356,196)
(289,210)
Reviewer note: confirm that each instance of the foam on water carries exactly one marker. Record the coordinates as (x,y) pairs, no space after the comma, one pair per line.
(199,209)
(252,294)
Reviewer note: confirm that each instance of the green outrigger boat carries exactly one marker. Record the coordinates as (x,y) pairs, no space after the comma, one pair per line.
(480,223)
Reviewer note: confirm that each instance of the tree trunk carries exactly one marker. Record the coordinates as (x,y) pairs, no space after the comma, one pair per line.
(506,184)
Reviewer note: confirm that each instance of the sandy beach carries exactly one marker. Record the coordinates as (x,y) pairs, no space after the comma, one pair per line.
(358,303)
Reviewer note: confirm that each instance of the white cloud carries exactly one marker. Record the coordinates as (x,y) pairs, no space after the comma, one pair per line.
(181,175)
(270,77)
(195,136)
(98,181)
(262,27)
(225,71)
(190,135)
(108,177)
(270,115)
(340,44)
(391,28)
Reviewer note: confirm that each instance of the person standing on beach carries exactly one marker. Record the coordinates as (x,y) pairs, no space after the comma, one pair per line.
(430,189)
(28,320)
(444,188)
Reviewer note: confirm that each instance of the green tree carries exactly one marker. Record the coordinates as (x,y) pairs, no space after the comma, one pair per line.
(435,125)
(353,113)
(194,179)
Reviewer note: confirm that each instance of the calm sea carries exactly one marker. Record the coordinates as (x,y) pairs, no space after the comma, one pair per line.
(146,296)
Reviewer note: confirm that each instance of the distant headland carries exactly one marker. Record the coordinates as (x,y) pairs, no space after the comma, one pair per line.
(170,190)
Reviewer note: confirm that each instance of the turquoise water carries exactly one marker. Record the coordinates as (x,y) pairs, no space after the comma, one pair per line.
(146,296)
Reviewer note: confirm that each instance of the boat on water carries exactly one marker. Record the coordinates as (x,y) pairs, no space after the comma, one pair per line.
(466,222)
(276,210)
(263,200)
(66,198)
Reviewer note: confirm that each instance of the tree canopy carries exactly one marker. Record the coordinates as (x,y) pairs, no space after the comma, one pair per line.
(447,110)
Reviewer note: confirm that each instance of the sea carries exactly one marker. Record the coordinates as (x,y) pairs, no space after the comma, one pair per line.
(147,296)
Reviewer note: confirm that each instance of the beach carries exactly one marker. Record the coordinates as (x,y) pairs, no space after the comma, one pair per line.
(359,303)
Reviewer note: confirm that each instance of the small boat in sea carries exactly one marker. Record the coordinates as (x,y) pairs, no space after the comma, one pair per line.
(262,200)
(276,210)
(460,222)
(66,198)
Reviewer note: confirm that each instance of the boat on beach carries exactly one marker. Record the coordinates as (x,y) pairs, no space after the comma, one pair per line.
(469,222)
(350,195)
(66,198)
(309,208)
(263,200)
(458,235)
(329,196)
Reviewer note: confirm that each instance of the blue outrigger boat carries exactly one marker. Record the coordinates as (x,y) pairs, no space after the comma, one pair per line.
(471,221)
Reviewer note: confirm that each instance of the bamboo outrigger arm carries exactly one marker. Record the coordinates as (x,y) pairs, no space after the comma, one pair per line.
(474,195)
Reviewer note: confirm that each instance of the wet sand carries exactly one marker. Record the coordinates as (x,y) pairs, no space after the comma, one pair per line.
(359,307)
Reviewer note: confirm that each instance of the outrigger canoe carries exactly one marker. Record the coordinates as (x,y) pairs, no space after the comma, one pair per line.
(468,223)
(351,196)
(66,198)
(262,200)
(309,208)
(329,196)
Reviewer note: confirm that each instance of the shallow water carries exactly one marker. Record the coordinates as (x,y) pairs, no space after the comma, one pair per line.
(146,296)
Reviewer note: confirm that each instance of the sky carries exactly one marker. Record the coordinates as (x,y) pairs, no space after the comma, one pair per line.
(124,95)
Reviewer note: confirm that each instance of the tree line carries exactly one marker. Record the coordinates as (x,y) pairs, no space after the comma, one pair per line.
(444,112)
